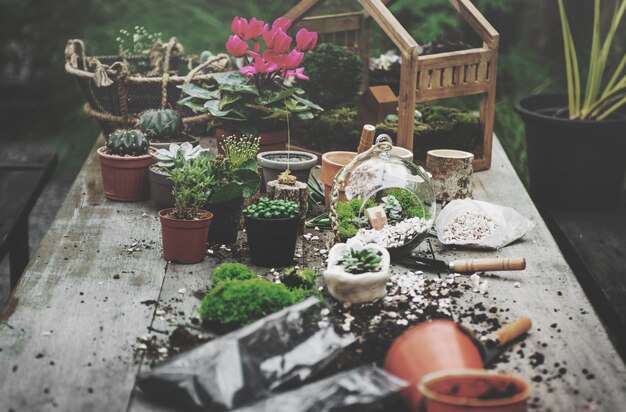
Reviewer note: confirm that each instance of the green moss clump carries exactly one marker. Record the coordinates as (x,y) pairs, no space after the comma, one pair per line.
(350,216)
(334,129)
(411,206)
(299,278)
(239,302)
(232,271)
(299,294)
(335,74)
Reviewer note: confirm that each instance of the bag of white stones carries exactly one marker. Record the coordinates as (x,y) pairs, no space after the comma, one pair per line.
(480,225)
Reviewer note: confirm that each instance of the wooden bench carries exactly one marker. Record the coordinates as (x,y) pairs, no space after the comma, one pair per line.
(23,175)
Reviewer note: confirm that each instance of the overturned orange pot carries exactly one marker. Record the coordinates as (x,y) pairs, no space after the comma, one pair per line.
(184,241)
(333,162)
(429,347)
(473,391)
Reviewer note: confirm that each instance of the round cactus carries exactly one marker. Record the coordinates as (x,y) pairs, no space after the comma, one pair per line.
(127,143)
(160,124)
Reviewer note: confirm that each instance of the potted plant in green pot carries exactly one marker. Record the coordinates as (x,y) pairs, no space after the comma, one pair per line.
(357,273)
(576,142)
(234,178)
(272,230)
(160,173)
(257,100)
(124,162)
(185,227)
(164,127)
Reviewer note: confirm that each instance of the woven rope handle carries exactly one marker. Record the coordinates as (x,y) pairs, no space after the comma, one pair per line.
(75,52)
(166,70)
(203,65)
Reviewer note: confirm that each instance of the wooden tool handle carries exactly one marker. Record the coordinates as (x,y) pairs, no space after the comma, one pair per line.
(513,330)
(477,265)
(367,138)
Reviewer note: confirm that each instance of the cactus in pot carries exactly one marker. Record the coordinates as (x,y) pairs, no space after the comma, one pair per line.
(127,143)
(162,127)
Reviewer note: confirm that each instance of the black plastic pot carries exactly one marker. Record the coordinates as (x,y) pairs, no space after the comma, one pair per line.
(272,242)
(573,164)
(226,219)
(160,188)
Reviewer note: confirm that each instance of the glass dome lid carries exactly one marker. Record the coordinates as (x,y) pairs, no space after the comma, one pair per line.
(384,199)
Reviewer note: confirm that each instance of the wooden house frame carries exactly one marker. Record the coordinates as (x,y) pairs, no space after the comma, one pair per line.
(431,77)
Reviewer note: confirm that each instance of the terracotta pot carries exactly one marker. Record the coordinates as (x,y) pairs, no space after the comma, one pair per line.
(125,178)
(226,220)
(184,241)
(430,347)
(333,162)
(474,390)
(270,141)
(160,188)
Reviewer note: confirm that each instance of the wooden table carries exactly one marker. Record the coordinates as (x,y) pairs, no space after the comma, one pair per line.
(67,332)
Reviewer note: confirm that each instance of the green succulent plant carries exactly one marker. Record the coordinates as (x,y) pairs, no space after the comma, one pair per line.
(160,125)
(191,185)
(360,260)
(127,143)
(272,209)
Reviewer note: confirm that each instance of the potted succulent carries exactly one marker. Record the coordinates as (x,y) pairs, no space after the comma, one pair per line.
(576,141)
(272,230)
(124,162)
(160,172)
(164,127)
(185,227)
(357,273)
(257,100)
(234,177)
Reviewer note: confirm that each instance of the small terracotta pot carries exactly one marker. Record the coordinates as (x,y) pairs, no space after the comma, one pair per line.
(160,188)
(474,390)
(333,162)
(270,141)
(430,347)
(125,178)
(184,241)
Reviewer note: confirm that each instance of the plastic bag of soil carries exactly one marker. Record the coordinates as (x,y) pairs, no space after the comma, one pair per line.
(480,225)
(275,353)
(364,389)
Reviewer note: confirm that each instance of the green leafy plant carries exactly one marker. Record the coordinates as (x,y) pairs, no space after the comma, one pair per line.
(232,271)
(241,150)
(360,260)
(191,187)
(230,182)
(239,302)
(410,204)
(597,103)
(350,216)
(299,278)
(160,125)
(335,74)
(272,209)
(127,143)
(176,155)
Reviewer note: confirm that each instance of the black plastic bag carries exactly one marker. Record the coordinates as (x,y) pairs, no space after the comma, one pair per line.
(275,353)
(364,389)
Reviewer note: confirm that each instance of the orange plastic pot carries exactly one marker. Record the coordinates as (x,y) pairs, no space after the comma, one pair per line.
(474,390)
(270,141)
(125,178)
(333,162)
(184,241)
(430,347)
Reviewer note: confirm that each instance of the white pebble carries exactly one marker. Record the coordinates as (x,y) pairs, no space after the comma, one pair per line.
(182,291)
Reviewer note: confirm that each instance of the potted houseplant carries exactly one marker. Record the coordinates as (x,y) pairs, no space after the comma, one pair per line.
(576,141)
(160,172)
(164,127)
(234,177)
(296,162)
(357,273)
(272,230)
(124,162)
(185,227)
(257,100)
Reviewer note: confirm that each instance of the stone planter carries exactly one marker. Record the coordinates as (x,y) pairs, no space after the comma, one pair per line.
(277,161)
(160,188)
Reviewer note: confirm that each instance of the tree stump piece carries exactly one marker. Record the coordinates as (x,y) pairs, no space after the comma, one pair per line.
(298,192)
(452,173)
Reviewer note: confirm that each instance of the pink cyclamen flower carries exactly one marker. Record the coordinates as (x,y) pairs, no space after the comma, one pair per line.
(260,65)
(236,46)
(239,26)
(277,40)
(282,23)
(255,29)
(297,73)
(293,59)
(306,40)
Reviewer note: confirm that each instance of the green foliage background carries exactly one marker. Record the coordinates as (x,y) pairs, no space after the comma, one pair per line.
(46,102)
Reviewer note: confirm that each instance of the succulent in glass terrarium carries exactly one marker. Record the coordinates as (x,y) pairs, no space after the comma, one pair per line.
(383,199)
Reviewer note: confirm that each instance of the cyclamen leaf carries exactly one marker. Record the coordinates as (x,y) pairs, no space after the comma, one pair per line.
(226,193)
(194,90)
(213,106)
(240,88)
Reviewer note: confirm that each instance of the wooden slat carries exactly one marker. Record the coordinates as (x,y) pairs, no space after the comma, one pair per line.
(300,9)
(476,20)
(407,99)
(331,24)
(455,58)
(390,25)
(453,91)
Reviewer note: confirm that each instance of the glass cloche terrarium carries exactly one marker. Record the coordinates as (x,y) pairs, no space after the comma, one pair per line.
(384,199)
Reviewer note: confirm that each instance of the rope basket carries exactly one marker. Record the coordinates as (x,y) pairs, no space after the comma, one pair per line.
(116,97)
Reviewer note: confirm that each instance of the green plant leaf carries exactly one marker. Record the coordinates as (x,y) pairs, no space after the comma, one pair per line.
(226,193)
(197,91)
(249,181)
(272,96)
(305,116)
(250,164)
(308,103)
(228,98)
(193,105)
(213,106)
(240,88)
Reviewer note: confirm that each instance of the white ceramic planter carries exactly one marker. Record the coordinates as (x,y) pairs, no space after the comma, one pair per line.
(356,288)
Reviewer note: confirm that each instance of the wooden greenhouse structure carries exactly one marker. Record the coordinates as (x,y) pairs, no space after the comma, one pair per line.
(422,78)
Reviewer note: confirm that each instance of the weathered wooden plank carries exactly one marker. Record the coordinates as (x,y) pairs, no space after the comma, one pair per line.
(66,334)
